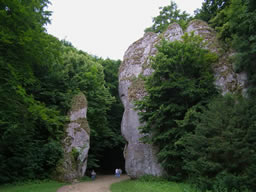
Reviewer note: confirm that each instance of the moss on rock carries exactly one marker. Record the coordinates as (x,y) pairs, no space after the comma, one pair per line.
(75,142)
(137,89)
(79,101)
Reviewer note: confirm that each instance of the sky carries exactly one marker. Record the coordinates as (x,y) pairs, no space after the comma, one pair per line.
(106,28)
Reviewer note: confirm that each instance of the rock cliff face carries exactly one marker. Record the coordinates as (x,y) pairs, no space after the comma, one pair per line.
(226,79)
(140,159)
(76,143)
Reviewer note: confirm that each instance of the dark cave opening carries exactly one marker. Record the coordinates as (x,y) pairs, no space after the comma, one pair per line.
(111,159)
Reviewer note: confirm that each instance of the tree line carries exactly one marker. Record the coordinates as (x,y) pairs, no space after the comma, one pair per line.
(39,76)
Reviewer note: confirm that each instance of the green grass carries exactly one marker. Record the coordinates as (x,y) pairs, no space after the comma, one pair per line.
(150,186)
(36,186)
(85,178)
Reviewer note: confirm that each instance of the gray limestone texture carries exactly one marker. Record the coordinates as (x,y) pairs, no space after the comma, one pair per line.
(76,143)
(140,158)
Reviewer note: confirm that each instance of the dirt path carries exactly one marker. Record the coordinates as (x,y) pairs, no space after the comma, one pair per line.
(100,184)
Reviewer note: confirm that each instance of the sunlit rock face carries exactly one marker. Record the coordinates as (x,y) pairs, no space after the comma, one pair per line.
(76,142)
(140,159)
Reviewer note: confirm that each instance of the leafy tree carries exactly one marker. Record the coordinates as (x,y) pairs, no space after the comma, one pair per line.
(115,114)
(30,131)
(168,14)
(96,77)
(241,24)
(113,155)
(210,8)
(234,20)
(38,77)
(220,153)
(182,80)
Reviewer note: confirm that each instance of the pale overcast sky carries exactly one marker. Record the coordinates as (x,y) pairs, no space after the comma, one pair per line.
(106,28)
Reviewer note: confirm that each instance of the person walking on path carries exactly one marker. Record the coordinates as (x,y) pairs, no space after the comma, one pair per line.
(120,171)
(117,173)
(93,174)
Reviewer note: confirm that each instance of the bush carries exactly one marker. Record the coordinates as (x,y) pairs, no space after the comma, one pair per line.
(220,154)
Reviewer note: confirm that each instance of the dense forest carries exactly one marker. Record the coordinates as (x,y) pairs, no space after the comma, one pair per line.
(39,76)
(204,137)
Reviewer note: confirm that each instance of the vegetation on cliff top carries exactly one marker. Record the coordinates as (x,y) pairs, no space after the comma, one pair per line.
(207,139)
(168,15)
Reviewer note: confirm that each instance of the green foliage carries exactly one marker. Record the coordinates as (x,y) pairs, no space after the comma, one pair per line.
(182,81)
(109,136)
(111,68)
(93,160)
(39,75)
(242,21)
(115,114)
(210,8)
(150,186)
(168,15)
(151,178)
(235,22)
(38,186)
(82,72)
(85,178)
(75,153)
(212,146)
(30,129)
(220,153)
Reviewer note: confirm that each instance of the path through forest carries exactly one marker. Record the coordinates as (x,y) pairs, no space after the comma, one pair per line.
(100,184)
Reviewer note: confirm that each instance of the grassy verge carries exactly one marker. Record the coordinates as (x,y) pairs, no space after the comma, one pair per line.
(143,185)
(36,186)
(85,178)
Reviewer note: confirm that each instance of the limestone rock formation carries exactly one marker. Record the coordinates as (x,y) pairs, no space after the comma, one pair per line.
(226,79)
(140,159)
(76,142)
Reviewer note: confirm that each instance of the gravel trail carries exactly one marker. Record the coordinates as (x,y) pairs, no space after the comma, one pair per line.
(100,184)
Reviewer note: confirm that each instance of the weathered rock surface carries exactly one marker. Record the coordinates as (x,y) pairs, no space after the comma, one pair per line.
(226,79)
(76,142)
(140,159)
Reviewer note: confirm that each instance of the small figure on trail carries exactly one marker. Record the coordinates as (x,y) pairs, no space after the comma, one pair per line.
(120,171)
(93,174)
(117,173)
